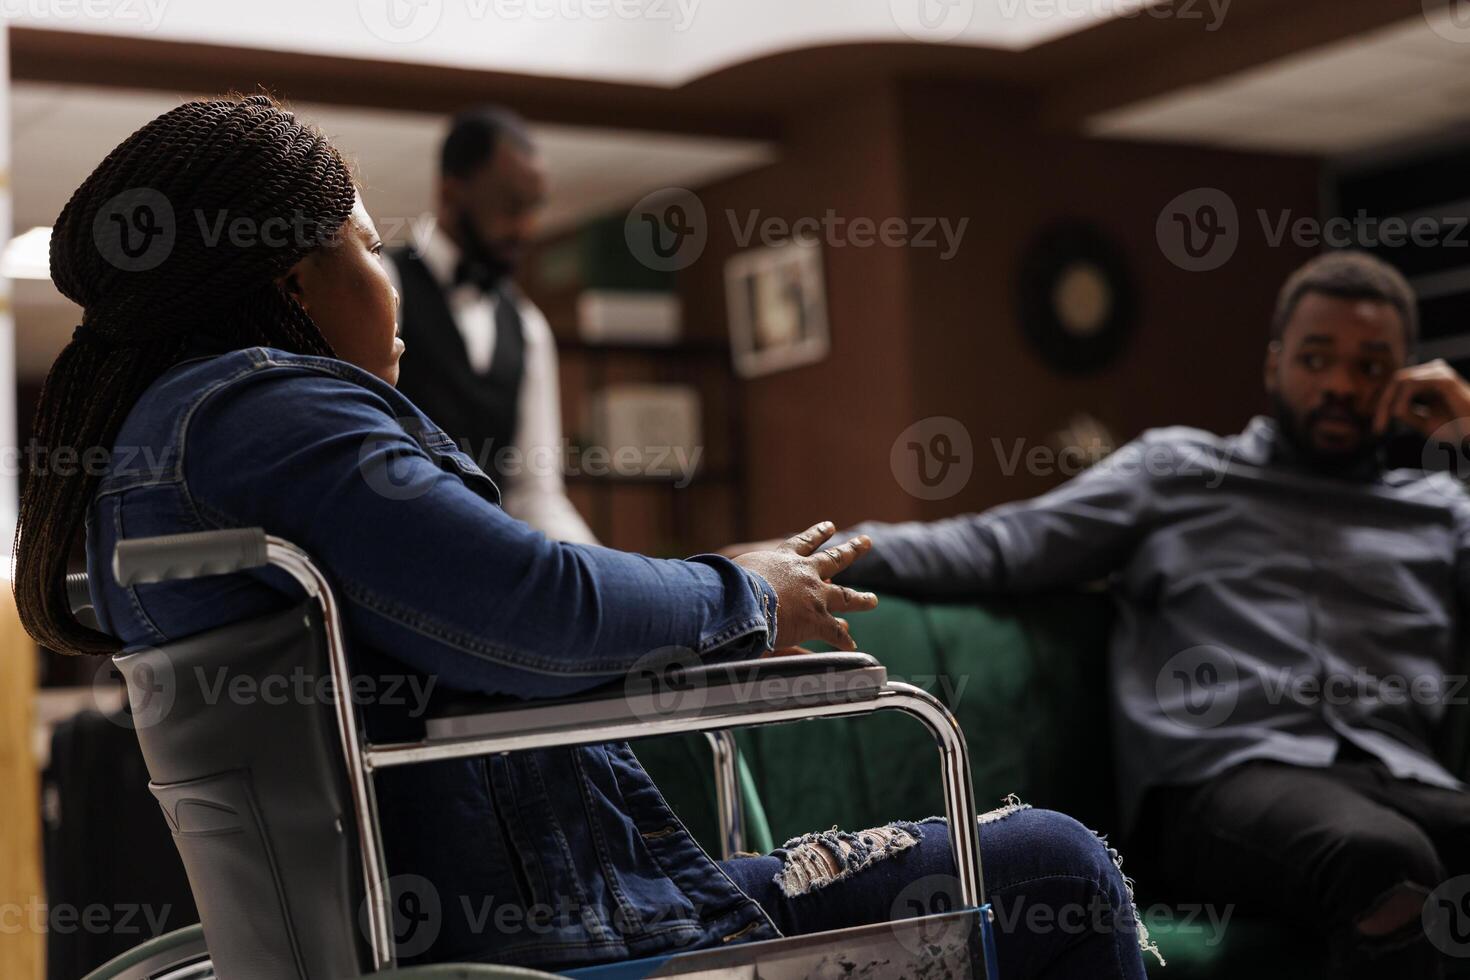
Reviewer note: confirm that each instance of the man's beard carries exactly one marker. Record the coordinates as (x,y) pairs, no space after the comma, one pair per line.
(1297,429)
(491,269)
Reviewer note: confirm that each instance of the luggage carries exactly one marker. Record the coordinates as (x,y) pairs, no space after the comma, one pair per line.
(113,876)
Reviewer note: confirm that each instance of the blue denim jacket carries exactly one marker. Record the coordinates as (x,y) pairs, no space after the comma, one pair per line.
(554,857)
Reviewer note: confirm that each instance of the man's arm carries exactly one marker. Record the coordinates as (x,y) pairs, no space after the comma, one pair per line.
(1081,531)
(537,492)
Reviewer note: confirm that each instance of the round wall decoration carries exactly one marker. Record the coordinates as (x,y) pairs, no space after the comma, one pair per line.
(1077,300)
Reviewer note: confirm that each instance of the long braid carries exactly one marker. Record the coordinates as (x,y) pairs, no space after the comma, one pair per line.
(191,174)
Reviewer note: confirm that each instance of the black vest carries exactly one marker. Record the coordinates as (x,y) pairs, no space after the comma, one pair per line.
(478,411)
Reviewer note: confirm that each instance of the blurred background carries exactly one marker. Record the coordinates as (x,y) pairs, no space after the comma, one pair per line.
(843,259)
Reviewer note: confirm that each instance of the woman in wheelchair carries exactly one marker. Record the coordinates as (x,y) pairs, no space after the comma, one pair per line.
(235,368)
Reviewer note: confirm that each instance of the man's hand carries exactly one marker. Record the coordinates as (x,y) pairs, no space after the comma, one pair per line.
(801,576)
(1430,398)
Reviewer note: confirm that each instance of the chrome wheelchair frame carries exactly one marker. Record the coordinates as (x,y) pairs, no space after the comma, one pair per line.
(841,685)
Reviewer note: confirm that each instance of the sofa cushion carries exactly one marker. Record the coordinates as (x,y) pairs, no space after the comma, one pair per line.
(1026,680)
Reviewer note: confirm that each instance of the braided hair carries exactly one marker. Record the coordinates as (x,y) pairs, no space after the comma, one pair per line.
(153,248)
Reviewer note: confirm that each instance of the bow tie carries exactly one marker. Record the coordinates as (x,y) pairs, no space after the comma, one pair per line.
(477,274)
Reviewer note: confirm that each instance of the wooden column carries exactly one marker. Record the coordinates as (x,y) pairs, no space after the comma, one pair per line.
(22,943)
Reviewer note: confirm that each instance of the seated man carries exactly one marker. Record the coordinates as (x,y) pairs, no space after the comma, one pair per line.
(1289,612)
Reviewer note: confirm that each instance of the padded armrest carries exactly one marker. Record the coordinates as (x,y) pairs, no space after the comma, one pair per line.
(806,679)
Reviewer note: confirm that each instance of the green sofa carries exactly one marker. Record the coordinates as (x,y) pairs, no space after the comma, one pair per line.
(1027,679)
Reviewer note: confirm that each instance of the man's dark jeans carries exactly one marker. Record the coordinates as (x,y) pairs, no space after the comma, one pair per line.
(1323,849)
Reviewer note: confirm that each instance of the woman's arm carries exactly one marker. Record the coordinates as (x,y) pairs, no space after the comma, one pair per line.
(434,574)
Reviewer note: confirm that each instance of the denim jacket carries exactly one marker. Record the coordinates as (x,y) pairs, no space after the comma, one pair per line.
(546,858)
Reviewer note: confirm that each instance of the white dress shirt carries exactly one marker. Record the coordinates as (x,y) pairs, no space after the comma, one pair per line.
(535,491)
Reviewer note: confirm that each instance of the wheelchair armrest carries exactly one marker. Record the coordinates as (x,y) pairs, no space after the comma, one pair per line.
(79,597)
(806,680)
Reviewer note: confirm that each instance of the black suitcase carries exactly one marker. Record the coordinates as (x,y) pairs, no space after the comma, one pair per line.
(113,876)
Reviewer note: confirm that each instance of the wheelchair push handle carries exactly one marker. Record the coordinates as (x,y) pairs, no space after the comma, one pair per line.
(176,556)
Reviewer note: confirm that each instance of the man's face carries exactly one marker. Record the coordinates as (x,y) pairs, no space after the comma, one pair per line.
(1328,371)
(501,200)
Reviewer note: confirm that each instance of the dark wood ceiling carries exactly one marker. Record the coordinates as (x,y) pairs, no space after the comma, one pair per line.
(1059,83)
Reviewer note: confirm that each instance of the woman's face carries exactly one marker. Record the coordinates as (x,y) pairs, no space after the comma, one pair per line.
(347,292)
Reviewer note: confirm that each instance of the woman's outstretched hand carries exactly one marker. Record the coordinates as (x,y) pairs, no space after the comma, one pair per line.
(801,575)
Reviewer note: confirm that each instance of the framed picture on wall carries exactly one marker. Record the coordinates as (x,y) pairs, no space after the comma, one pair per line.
(777,302)
(649,430)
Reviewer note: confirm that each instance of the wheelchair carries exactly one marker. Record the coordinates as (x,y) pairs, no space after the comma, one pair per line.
(272,807)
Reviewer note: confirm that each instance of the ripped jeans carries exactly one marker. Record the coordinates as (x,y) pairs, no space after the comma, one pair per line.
(1063,909)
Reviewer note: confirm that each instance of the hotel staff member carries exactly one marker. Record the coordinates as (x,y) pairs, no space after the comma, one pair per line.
(480,357)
